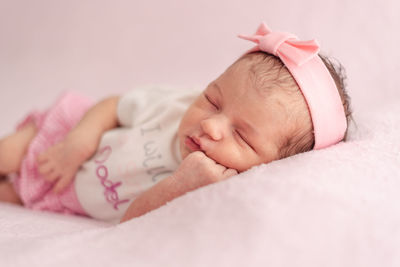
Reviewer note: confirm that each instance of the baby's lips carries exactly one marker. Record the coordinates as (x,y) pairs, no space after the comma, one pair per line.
(196,140)
(192,143)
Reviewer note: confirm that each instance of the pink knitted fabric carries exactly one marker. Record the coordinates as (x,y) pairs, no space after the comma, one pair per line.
(53,125)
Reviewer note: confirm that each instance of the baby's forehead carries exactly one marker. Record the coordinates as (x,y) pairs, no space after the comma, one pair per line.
(264,79)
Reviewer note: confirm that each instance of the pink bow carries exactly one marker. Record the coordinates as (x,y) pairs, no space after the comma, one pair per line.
(283,44)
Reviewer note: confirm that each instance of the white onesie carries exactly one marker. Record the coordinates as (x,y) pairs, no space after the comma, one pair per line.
(132,158)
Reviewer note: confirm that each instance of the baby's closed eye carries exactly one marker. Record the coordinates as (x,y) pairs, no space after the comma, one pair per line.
(211,101)
(242,138)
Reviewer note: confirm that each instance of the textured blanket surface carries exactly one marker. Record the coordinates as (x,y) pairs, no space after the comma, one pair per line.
(333,207)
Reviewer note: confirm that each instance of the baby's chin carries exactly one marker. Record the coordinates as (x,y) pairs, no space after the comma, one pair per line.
(183,150)
(184,154)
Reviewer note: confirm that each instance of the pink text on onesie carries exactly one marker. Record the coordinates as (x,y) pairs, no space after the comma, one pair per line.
(110,192)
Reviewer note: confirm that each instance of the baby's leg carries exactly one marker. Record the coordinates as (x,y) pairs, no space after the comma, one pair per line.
(7,193)
(13,148)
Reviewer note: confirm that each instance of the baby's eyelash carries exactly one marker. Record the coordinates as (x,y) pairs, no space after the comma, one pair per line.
(211,102)
(241,136)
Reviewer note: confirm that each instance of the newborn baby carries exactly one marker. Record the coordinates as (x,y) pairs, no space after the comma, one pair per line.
(279,99)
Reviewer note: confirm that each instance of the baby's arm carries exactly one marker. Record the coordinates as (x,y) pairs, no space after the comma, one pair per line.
(195,171)
(61,161)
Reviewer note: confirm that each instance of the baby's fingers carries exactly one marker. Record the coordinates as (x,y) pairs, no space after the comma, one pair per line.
(61,184)
(230,172)
(45,168)
(51,176)
(42,158)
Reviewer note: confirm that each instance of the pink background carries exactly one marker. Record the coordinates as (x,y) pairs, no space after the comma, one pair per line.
(107,47)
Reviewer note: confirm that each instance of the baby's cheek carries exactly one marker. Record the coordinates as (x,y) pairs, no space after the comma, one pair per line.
(231,157)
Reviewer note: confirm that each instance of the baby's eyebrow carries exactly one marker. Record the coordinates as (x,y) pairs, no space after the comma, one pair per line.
(217,86)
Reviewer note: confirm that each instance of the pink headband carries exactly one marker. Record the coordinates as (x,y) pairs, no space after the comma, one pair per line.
(314,79)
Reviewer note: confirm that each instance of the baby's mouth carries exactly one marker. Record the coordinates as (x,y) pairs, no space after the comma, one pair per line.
(192,144)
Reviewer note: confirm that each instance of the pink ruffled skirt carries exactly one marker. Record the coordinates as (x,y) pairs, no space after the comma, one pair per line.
(52,126)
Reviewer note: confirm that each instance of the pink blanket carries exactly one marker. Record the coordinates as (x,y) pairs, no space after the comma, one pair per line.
(333,207)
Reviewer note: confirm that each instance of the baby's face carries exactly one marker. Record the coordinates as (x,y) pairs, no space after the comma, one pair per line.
(233,124)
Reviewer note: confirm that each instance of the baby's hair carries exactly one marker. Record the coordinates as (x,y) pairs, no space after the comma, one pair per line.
(269,74)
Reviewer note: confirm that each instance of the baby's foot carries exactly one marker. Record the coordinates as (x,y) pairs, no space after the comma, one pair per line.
(60,162)
(7,193)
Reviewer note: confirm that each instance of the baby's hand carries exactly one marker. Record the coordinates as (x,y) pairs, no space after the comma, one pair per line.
(59,163)
(198,170)
(195,171)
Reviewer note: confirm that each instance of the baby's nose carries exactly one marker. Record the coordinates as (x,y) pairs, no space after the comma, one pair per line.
(215,127)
